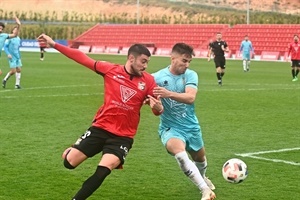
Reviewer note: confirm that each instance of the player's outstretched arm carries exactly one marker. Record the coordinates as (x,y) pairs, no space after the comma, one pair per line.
(15,34)
(71,53)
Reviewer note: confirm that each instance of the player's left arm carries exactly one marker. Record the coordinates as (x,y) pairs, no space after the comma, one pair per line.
(12,35)
(188,97)
(225,47)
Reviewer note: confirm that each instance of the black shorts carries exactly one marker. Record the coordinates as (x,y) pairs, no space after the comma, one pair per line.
(220,61)
(42,48)
(295,63)
(95,140)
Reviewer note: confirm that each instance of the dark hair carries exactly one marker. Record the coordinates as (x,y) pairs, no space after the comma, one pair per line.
(138,49)
(182,48)
(2,24)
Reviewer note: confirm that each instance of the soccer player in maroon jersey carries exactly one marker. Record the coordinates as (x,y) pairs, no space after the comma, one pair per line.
(115,124)
(294,51)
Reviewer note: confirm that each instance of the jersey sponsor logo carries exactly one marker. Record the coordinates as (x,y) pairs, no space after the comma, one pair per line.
(126,93)
(141,85)
(119,78)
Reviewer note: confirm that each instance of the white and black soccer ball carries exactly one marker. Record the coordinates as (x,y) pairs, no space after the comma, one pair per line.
(234,170)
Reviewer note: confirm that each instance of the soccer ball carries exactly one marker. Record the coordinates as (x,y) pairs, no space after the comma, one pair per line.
(234,170)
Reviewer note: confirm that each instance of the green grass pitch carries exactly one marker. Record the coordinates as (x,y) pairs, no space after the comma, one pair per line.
(252,112)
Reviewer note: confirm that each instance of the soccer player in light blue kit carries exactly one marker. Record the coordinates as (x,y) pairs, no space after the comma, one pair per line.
(12,50)
(4,36)
(246,49)
(179,128)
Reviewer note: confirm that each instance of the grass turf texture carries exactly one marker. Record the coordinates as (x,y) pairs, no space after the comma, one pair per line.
(254,111)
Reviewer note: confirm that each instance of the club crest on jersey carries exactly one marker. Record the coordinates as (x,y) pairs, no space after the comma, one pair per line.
(166,83)
(141,85)
(126,93)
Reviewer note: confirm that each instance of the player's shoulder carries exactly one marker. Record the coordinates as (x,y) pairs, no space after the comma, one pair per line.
(191,73)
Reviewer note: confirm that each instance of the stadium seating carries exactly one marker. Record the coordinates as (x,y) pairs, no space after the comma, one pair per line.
(264,37)
(159,38)
(152,35)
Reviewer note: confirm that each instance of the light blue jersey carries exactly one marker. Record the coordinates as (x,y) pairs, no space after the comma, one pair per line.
(179,119)
(12,47)
(3,37)
(246,48)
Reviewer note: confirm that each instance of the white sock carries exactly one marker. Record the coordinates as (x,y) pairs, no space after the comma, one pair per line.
(244,65)
(248,64)
(18,78)
(7,76)
(190,170)
(202,167)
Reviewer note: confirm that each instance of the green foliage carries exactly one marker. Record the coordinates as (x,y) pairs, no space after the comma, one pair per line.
(185,14)
(252,112)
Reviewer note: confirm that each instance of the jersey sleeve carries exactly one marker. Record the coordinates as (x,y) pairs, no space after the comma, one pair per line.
(192,79)
(76,55)
(6,47)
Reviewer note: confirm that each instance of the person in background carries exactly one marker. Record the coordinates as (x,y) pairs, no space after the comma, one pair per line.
(179,128)
(4,36)
(218,48)
(116,122)
(12,50)
(42,49)
(294,52)
(246,48)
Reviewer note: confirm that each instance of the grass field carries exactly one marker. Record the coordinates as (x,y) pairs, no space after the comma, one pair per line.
(254,115)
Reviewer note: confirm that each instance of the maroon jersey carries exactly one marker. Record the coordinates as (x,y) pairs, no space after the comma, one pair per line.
(294,51)
(124,94)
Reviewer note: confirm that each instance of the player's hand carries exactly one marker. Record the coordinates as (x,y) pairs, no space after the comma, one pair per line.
(155,103)
(43,38)
(18,21)
(161,92)
(9,56)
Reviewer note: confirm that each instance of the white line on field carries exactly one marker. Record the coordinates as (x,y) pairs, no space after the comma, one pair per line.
(52,95)
(51,87)
(251,155)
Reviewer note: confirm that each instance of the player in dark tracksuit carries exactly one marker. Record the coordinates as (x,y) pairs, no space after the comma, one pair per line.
(218,49)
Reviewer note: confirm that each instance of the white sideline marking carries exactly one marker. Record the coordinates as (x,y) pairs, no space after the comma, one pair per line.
(50,87)
(252,155)
(53,95)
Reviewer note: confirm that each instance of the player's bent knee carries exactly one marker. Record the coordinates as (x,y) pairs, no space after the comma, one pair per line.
(67,164)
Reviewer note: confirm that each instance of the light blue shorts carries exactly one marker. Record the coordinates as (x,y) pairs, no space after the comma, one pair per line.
(13,63)
(246,56)
(192,139)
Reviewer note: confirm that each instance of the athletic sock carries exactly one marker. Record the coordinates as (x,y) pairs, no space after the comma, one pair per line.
(42,55)
(219,77)
(7,76)
(248,64)
(92,183)
(297,72)
(201,167)
(18,78)
(190,169)
(244,65)
(222,74)
(293,73)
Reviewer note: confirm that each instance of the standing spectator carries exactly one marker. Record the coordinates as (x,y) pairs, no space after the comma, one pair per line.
(246,48)
(12,50)
(218,48)
(179,128)
(115,124)
(294,51)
